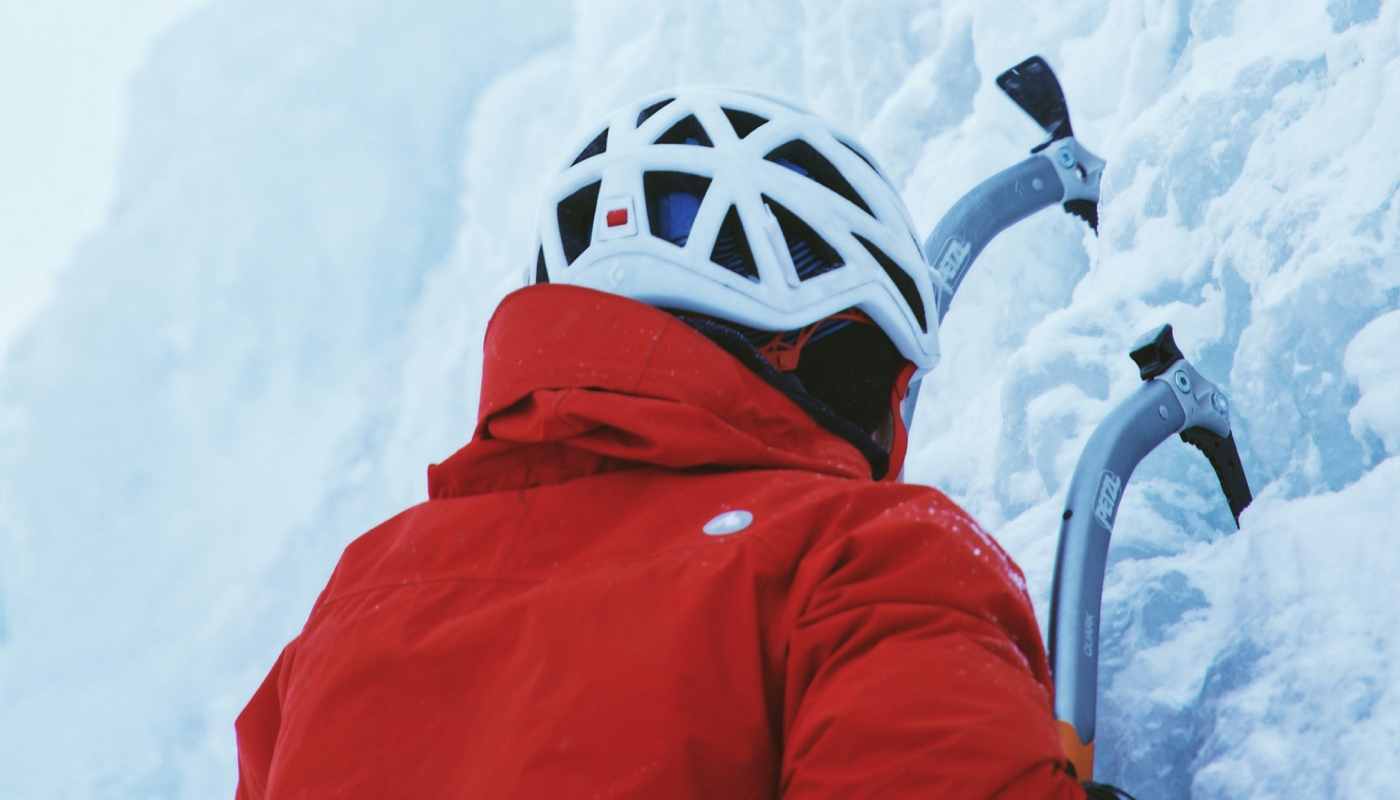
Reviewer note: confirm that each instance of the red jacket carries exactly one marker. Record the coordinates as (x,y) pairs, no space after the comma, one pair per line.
(555,622)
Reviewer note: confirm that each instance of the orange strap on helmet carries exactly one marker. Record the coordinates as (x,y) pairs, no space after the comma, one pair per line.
(784,356)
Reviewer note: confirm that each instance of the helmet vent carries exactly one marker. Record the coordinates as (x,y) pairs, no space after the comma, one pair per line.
(576,220)
(596,147)
(902,281)
(541,274)
(811,255)
(652,109)
(687,131)
(673,200)
(732,247)
(804,159)
(744,123)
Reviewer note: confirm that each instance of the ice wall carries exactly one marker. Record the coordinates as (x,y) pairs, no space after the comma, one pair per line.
(322,201)
(207,374)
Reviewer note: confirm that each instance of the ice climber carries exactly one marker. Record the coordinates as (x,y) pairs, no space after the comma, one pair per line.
(675,559)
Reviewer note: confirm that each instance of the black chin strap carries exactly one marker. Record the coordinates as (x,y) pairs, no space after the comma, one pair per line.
(737,345)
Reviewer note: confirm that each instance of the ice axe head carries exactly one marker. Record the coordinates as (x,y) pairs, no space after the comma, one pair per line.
(1207,412)
(1032,85)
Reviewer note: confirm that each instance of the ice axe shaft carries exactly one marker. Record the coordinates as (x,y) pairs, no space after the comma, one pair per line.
(1174,398)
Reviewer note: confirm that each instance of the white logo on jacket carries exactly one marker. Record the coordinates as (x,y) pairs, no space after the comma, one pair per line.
(728,522)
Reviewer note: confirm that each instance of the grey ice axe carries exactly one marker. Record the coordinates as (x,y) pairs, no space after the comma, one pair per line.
(1060,170)
(1174,398)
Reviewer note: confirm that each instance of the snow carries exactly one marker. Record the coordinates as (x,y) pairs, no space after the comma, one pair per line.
(278,327)
(1370,364)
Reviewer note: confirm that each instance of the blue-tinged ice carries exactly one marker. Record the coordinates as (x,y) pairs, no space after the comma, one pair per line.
(320,202)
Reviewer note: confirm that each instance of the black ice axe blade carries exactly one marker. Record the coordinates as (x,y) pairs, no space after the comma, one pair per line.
(1064,173)
(1174,398)
(1224,458)
(1034,87)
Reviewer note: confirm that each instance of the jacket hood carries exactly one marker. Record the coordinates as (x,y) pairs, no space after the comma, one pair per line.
(577,382)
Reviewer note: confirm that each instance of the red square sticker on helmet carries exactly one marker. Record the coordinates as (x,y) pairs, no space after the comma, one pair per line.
(615,219)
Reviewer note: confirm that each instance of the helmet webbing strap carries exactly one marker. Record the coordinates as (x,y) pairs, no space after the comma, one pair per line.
(785,355)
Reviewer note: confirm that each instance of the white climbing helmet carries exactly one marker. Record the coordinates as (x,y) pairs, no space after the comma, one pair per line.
(741,207)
